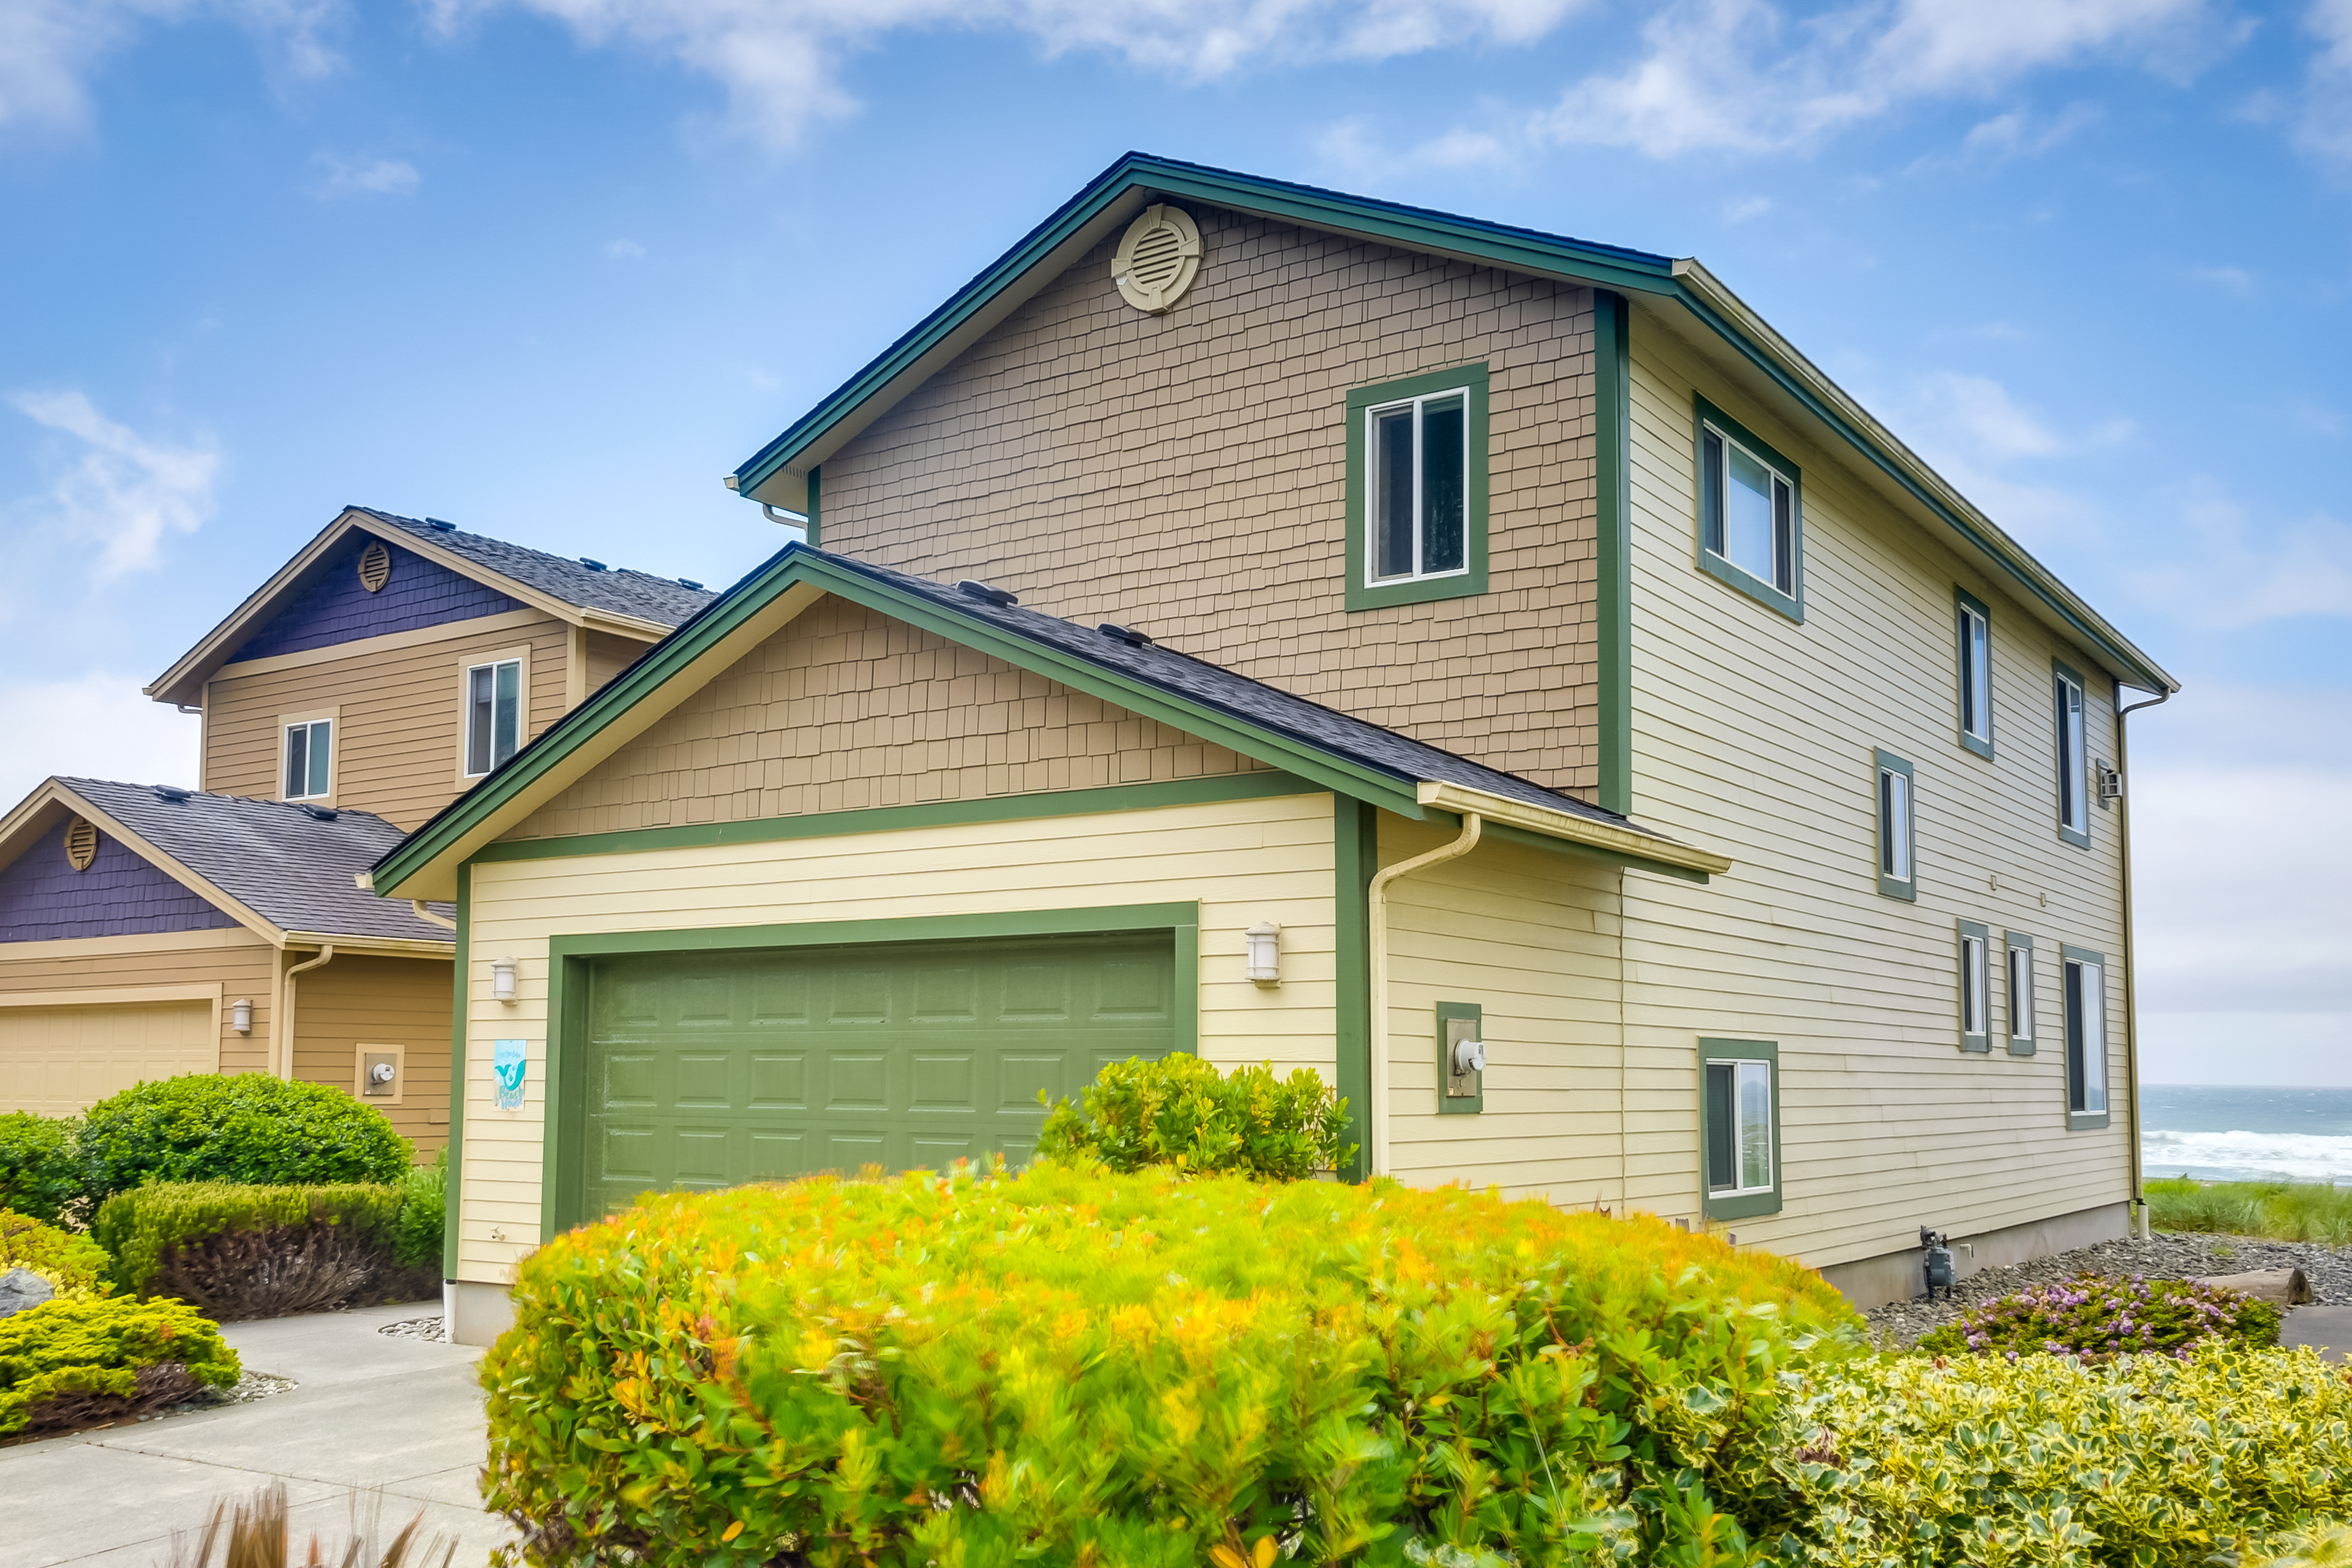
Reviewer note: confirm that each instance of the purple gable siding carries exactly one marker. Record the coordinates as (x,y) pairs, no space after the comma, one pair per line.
(335,608)
(42,896)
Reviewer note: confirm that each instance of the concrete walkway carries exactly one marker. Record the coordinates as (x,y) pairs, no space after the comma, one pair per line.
(2329,1328)
(372,1411)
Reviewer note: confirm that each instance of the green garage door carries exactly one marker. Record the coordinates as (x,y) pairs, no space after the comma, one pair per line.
(708,1069)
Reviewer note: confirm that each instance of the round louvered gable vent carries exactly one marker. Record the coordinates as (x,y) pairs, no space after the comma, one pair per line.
(375,566)
(81,844)
(1158,258)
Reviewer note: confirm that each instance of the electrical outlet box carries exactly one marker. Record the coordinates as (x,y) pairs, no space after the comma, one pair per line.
(1461,1088)
(378,1074)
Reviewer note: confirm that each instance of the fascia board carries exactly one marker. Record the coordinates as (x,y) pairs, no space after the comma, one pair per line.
(1568,826)
(235,908)
(30,817)
(372,946)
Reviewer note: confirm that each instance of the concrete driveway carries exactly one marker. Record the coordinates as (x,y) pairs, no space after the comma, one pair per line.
(372,1411)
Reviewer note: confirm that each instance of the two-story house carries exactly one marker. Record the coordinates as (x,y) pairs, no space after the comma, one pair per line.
(147,930)
(1495,670)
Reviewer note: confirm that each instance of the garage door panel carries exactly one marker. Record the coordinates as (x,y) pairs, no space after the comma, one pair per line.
(59,1061)
(779,1080)
(860,996)
(858,1082)
(702,1079)
(947,994)
(1131,990)
(942,1081)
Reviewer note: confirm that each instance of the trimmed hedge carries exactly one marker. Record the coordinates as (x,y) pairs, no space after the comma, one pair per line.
(2098,1315)
(249,1127)
(242,1252)
(2140,1462)
(1179,1110)
(38,1175)
(73,1264)
(77,1361)
(1074,1366)
(424,1210)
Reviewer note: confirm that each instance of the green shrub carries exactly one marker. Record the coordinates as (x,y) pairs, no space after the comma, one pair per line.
(2139,1462)
(2278,1211)
(1179,1110)
(244,1252)
(1074,1366)
(71,1361)
(38,1173)
(73,1264)
(250,1128)
(424,1205)
(2098,1315)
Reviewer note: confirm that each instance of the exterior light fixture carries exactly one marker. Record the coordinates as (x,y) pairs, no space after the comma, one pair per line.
(1264,939)
(502,979)
(240,1015)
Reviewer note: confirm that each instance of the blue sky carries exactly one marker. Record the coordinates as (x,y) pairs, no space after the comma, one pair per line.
(548,267)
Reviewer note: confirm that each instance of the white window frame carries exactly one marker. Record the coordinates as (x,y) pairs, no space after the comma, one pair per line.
(468,664)
(1745,1071)
(1373,489)
(2082,990)
(1974,625)
(2074,757)
(1784,522)
(330,721)
(2017,992)
(1976,986)
(1895,804)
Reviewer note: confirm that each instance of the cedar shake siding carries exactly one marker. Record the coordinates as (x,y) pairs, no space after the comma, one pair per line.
(337,608)
(44,899)
(1186,474)
(844,709)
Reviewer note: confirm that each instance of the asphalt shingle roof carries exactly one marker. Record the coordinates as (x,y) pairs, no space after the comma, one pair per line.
(622,590)
(285,864)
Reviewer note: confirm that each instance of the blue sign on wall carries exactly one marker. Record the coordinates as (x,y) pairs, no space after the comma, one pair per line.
(507,1059)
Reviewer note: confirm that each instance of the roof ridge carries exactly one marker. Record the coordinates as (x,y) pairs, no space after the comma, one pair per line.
(294,805)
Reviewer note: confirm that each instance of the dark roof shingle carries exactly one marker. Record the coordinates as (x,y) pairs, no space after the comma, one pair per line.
(620,590)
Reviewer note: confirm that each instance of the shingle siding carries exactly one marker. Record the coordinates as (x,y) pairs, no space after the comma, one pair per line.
(337,608)
(44,899)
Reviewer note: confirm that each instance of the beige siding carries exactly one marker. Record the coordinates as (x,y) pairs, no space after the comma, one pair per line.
(1186,473)
(608,656)
(1530,938)
(397,719)
(844,709)
(239,963)
(402,1001)
(1243,861)
(1755,735)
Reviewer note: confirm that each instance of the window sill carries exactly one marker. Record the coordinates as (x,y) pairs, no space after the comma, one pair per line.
(1976,1044)
(1746,1205)
(1747,583)
(1970,743)
(1417,590)
(2085,1120)
(2079,837)
(1891,888)
(2020,1047)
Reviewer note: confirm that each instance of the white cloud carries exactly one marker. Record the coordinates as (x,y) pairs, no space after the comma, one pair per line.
(2229,573)
(47,47)
(120,490)
(2019,134)
(624,251)
(1741,208)
(2231,279)
(2324,129)
(93,726)
(364,177)
(779,59)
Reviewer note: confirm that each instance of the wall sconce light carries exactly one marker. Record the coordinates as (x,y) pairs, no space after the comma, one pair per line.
(502,979)
(240,1015)
(1264,939)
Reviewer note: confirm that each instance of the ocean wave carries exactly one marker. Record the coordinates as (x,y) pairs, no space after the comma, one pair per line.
(2292,1156)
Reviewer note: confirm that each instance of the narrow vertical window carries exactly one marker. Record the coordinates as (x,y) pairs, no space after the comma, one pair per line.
(1739,1111)
(1897,853)
(2073,784)
(1419,496)
(309,759)
(493,714)
(1976,987)
(1975,629)
(2086,1037)
(2019,994)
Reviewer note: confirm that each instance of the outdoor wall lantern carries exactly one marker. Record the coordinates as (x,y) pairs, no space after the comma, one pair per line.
(240,1015)
(503,976)
(1264,941)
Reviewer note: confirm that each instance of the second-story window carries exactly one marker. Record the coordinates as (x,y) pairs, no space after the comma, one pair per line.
(1417,489)
(1898,873)
(493,714)
(1976,672)
(1751,513)
(309,759)
(2074,760)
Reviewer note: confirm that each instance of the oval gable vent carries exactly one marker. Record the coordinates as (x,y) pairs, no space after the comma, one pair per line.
(1157,259)
(81,844)
(375,566)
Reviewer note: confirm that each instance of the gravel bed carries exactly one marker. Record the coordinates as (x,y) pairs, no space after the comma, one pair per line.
(2167,1255)
(418,1329)
(249,1387)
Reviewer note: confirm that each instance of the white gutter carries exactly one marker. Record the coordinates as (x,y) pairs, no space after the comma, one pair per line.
(1568,825)
(1376,1124)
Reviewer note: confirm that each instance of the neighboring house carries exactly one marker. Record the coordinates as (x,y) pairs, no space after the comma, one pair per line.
(150,931)
(1494,670)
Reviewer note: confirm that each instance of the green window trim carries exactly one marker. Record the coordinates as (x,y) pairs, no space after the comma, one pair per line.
(1455,1104)
(1978,1040)
(1790,602)
(567,958)
(1744,1206)
(1362,593)
(815,504)
(1612,425)
(1905,887)
(1963,604)
(2062,673)
(2026,1044)
(2083,1120)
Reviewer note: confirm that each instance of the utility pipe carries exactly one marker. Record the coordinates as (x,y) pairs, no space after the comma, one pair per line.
(1376,919)
(2131,960)
(286,1011)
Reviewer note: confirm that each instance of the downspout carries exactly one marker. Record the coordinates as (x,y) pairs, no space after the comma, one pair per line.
(1376,919)
(427,916)
(286,1011)
(2131,958)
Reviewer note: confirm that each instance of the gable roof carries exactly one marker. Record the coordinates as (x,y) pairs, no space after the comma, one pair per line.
(628,603)
(1718,321)
(1330,749)
(273,867)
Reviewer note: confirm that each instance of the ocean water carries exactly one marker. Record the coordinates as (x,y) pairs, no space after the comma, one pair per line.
(2235,1134)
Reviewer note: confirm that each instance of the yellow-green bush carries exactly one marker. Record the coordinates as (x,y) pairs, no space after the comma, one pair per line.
(70,1361)
(73,1264)
(1179,1110)
(1080,1367)
(2140,1462)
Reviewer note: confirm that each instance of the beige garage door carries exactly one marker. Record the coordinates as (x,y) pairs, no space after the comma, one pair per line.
(62,1060)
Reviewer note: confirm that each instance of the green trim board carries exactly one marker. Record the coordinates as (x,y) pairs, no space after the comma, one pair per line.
(1745,1206)
(1362,593)
(1355,848)
(2084,1121)
(1963,601)
(1980,1042)
(899,818)
(2060,671)
(567,968)
(1883,763)
(815,531)
(1792,602)
(1459,1104)
(2030,1043)
(461,984)
(1613,463)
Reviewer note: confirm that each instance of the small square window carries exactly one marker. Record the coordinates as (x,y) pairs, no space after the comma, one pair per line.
(2018,978)
(1739,1117)
(1976,987)
(1898,869)
(1751,513)
(309,760)
(1417,489)
(493,714)
(1975,628)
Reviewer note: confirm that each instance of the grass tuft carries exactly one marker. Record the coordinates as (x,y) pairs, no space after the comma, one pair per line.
(2275,1211)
